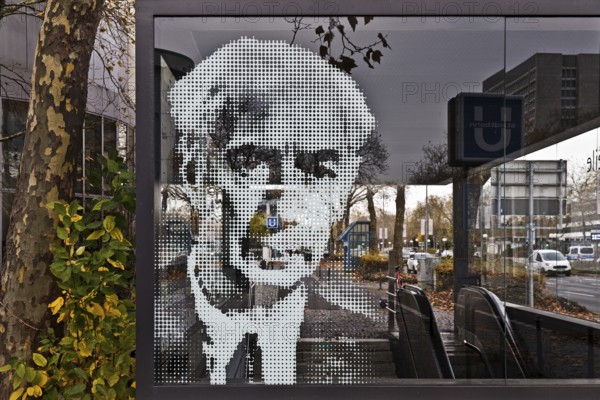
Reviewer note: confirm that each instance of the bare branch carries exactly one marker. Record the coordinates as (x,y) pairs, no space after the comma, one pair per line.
(17,8)
(11,137)
(298,26)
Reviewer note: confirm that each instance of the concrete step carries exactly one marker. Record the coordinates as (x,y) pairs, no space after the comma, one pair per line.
(358,361)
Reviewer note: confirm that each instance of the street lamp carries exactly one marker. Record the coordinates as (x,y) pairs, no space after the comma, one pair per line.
(444,241)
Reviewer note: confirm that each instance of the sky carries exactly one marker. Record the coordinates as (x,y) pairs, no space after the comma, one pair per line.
(430,61)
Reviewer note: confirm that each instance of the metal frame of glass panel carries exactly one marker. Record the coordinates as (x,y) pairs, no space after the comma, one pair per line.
(148,194)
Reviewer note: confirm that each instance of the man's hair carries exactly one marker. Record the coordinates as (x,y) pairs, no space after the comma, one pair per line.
(264,88)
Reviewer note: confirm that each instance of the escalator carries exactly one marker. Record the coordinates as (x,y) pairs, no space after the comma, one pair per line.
(482,345)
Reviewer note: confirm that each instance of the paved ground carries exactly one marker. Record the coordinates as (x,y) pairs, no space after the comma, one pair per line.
(323,320)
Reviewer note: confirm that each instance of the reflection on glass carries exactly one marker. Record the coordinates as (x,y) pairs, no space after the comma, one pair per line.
(260,148)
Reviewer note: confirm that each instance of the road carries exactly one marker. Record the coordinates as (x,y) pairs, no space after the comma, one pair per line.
(584,290)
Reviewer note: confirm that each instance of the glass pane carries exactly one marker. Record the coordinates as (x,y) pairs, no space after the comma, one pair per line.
(110,136)
(93,148)
(265,271)
(539,204)
(14,118)
(266,215)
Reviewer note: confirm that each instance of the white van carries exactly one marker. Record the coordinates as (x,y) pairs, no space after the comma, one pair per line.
(581,253)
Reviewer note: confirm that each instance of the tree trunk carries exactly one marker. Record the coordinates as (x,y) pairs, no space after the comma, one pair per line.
(53,139)
(373,242)
(399,222)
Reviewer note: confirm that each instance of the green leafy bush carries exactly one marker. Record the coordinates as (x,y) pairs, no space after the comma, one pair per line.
(444,272)
(372,267)
(93,265)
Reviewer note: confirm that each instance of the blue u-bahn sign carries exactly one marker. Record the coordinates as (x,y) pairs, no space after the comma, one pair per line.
(273,222)
(483,128)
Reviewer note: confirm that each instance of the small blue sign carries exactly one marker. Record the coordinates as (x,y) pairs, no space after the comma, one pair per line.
(484,127)
(273,222)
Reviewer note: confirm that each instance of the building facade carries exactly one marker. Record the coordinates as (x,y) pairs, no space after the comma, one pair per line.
(559,90)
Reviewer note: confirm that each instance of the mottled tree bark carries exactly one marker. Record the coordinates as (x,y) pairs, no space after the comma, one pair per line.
(373,242)
(399,222)
(47,173)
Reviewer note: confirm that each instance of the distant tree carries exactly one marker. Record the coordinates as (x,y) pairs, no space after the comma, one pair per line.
(440,212)
(581,186)
(433,168)
(398,241)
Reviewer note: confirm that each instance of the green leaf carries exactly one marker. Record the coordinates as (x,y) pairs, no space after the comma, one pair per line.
(353,22)
(74,390)
(95,235)
(79,373)
(74,207)
(99,204)
(105,253)
(80,226)
(94,225)
(368,19)
(328,37)
(319,31)
(59,208)
(37,379)
(20,371)
(29,374)
(61,271)
(62,233)
(39,360)
(109,223)
(112,166)
(17,380)
(5,368)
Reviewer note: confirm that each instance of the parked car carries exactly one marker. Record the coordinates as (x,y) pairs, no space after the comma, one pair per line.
(581,253)
(550,262)
(447,254)
(413,261)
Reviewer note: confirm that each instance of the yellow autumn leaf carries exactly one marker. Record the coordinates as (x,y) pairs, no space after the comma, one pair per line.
(44,379)
(96,309)
(76,218)
(37,391)
(56,305)
(116,234)
(113,379)
(116,263)
(15,395)
(62,316)
(112,299)
(83,349)
(96,235)
(111,311)
(102,269)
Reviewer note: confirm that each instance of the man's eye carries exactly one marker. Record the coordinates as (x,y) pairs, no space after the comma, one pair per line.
(317,163)
(249,156)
